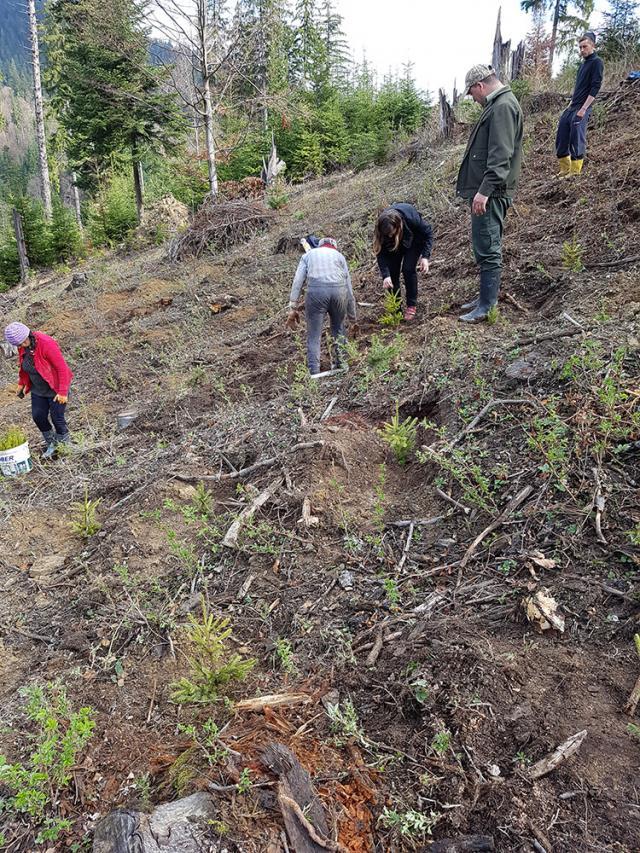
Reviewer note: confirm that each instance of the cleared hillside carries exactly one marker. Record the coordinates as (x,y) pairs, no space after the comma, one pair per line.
(447,693)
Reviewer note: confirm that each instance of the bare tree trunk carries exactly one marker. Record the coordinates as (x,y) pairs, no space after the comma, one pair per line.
(554,34)
(76,200)
(39,110)
(196,131)
(447,119)
(138,185)
(22,249)
(203,33)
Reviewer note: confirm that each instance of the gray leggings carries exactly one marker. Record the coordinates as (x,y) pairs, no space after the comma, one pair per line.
(320,301)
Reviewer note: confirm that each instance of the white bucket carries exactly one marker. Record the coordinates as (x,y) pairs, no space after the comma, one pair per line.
(16,461)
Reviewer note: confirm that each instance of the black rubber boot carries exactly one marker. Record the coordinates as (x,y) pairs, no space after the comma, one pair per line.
(49,438)
(489,287)
(469,305)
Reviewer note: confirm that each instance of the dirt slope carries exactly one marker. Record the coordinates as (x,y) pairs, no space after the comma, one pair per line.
(423,628)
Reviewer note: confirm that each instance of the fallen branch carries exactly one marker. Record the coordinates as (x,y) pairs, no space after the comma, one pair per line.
(617,263)
(552,336)
(231,537)
(508,511)
(445,497)
(250,469)
(329,409)
(632,703)
(520,401)
(374,654)
(560,754)
(417,522)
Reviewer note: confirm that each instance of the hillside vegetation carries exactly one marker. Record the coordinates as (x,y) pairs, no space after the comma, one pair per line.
(438,626)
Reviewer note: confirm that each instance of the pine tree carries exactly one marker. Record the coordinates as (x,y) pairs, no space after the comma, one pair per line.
(108,97)
(558,9)
(621,32)
(336,47)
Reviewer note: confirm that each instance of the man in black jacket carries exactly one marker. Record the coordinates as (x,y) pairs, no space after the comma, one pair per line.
(488,179)
(571,139)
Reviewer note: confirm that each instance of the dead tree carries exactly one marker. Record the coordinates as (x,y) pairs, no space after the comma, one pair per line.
(447,119)
(39,110)
(518,57)
(272,168)
(194,29)
(22,249)
(501,58)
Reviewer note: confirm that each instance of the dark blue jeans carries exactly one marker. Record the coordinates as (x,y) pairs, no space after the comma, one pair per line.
(320,301)
(405,260)
(42,408)
(571,138)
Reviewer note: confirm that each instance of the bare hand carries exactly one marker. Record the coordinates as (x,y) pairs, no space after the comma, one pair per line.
(61,398)
(293,319)
(423,266)
(479,204)
(387,283)
(580,114)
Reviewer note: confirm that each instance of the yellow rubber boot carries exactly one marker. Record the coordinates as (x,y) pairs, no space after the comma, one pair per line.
(576,167)
(565,166)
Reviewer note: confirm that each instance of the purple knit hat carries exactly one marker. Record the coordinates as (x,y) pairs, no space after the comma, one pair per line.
(16,333)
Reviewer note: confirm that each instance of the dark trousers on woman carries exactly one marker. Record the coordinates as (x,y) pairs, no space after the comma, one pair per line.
(43,408)
(571,138)
(405,261)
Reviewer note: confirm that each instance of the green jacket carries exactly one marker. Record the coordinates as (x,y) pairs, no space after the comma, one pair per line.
(491,164)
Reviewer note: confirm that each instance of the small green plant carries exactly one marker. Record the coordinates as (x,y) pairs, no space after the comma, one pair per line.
(441,742)
(12,437)
(634,535)
(202,501)
(60,736)
(522,758)
(493,315)
(550,437)
(207,739)
(244,782)
(400,436)
(572,255)
(345,724)
(392,310)
(284,656)
(83,520)
(391,591)
(381,356)
(420,689)
(409,824)
(634,730)
(211,666)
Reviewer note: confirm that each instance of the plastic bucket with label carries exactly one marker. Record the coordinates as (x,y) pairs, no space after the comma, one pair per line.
(16,461)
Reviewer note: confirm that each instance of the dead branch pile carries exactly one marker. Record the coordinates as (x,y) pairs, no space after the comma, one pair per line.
(219,225)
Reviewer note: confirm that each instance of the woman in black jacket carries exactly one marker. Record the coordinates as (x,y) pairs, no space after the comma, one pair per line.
(402,241)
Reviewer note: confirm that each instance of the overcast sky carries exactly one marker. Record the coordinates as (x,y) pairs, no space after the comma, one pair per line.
(443,38)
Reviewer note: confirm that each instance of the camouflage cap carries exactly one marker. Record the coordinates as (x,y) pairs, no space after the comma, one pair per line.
(476,75)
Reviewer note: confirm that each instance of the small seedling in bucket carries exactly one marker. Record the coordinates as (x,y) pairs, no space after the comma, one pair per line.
(11,438)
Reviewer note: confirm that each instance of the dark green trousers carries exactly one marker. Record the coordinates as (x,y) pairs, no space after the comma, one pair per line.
(486,233)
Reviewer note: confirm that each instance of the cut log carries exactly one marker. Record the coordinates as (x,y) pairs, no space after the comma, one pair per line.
(274,700)
(560,754)
(180,827)
(302,810)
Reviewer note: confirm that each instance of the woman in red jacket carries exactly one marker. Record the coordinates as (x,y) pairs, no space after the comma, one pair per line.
(44,373)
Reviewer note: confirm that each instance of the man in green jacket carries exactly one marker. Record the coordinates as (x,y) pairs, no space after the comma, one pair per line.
(488,178)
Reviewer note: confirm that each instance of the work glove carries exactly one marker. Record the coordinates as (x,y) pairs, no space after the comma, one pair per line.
(20,392)
(293,318)
(61,398)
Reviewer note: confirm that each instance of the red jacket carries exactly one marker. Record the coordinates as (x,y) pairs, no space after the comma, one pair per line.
(49,363)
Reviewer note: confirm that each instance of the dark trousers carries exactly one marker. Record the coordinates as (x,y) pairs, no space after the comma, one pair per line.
(486,233)
(42,408)
(405,261)
(571,138)
(319,302)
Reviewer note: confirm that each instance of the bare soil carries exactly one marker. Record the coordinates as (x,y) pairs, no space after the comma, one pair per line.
(465,693)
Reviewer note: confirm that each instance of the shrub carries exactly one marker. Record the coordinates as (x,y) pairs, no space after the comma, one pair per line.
(400,436)
(65,235)
(113,214)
